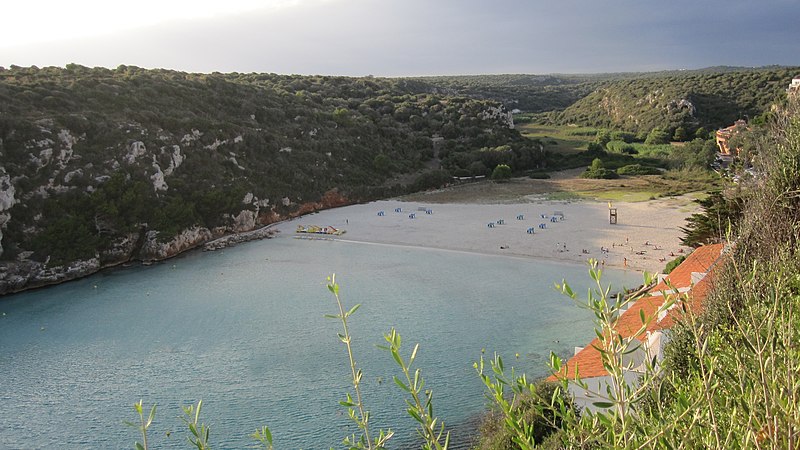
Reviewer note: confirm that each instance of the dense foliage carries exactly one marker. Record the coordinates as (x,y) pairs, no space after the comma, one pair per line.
(679,104)
(598,170)
(717,221)
(740,355)
(93,158)
(95,154)
(730,377)
(529,93)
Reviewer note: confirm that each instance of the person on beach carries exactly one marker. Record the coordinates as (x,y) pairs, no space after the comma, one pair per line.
(625,262)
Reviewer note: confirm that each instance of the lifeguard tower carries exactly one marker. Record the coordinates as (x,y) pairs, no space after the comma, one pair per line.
(612,214)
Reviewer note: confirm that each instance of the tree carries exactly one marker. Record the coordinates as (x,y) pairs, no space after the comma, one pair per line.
(623,136)
(711,226)
(501,172)
(701,133)
(602,137)
(657,136)
(477,168)
(598,170)
(680,134)
(382,163)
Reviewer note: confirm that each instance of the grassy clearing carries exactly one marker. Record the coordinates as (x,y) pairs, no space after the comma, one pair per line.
(559,139)
(620,195)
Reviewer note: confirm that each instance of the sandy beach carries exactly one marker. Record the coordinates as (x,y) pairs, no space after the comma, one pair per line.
(646,236)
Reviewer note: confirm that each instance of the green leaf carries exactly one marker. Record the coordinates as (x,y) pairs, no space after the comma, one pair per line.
(397,358)
(555,362)
(353,309)
(603,404)
(413,355)
(402,385)
(151,416)
(413,413)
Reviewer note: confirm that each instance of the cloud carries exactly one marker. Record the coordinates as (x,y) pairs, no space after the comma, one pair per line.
(414,37)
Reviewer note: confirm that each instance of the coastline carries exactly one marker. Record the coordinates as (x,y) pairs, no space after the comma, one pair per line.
(646,237)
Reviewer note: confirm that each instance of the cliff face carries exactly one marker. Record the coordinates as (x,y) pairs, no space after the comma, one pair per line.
(7,200)
(101,167)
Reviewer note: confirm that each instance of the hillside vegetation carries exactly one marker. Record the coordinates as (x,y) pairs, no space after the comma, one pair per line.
(730,377)
(100,167)
(707,100)
(528,93)
(110,165)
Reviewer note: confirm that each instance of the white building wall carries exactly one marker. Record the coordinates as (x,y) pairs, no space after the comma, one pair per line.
(596,389)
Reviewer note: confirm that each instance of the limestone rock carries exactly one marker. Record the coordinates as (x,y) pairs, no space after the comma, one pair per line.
(70,175)
(152,250)
(500,114)
(189,138)
(135,150)
(7,191)
(66,154)
(244,221)
(158,179)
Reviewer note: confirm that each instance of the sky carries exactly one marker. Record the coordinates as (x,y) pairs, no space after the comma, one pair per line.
(401,37)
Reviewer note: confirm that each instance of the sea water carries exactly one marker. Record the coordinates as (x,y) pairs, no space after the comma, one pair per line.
(244,330)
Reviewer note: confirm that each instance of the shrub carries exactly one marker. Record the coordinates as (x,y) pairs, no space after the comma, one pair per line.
(501,172)
(621,147)
(432,179)
(534,409)
(638,169)
(657,136)
(623,136)
(598,171)
(673,264)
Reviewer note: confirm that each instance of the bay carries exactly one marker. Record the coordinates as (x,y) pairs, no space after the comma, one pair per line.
(243,330)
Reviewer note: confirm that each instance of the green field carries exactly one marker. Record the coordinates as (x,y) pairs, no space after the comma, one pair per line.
(559,139)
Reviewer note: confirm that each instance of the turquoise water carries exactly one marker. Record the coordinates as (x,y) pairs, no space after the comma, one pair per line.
(243,330)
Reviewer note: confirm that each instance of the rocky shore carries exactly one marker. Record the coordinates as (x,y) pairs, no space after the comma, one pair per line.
(233,239)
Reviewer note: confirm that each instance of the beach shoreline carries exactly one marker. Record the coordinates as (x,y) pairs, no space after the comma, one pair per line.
(646,236)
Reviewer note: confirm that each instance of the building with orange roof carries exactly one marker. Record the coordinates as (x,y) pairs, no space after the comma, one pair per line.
(794,86)
(723,135)
(693,277)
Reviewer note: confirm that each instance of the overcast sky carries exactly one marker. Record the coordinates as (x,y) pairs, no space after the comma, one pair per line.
(403,37)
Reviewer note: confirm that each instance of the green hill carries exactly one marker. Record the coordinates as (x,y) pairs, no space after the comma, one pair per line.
(709,99)
(106,166)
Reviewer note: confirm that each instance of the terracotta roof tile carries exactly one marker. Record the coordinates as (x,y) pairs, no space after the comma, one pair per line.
(588,361)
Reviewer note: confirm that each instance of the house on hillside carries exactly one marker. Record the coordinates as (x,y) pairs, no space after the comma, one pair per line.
(693,277)
(794,86)
(723,136)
